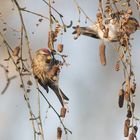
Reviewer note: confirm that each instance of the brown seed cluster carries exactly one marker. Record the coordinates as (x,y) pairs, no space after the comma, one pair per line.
(60,48)
(63,112)
(126,127)
(102,48)
(16,51)
(56,48)
(54,72)
(52,36)
(59,133)
(121,98)
(117,66)
(119,15)
(101,24)
(121,12)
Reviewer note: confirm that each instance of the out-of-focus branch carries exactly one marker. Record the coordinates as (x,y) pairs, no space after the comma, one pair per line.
(22,81)
(8,79)
(137,2)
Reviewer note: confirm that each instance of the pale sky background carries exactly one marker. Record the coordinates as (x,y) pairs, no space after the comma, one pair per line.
(93,89)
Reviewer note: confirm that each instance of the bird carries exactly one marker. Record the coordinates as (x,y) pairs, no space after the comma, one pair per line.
(46,70)
(109,30)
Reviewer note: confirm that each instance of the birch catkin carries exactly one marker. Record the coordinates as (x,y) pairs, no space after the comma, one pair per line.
(102,54)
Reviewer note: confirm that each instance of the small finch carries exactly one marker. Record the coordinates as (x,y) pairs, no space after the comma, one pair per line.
(46,70)
(109,30)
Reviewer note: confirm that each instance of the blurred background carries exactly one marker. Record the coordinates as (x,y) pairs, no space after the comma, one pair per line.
(92,88)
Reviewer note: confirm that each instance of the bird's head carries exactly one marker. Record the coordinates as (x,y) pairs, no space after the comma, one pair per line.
(44,52)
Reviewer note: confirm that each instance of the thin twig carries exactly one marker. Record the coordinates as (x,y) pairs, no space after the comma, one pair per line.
(8,79)
(34,13)
(60,15)
(22,81)
(26,35)
(137,2)
(80,9)
(65,129)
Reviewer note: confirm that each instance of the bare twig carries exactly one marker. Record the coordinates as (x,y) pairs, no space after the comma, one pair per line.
(65,129)
(81,10)
(137,2)
(34,13)
(24,28)
(22,81)
(8,79)
(60,15)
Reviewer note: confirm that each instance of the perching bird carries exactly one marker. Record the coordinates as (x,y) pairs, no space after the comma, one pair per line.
(46,71)
(109,31)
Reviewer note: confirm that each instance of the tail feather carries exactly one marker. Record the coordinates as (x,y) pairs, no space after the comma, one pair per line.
(60,95)
(64,96)
(44,85)
(87,31)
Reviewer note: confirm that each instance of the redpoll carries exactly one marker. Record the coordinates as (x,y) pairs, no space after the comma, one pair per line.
(46,71)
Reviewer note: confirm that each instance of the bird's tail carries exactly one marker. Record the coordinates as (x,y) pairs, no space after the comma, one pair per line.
(87,31)
(59,93)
